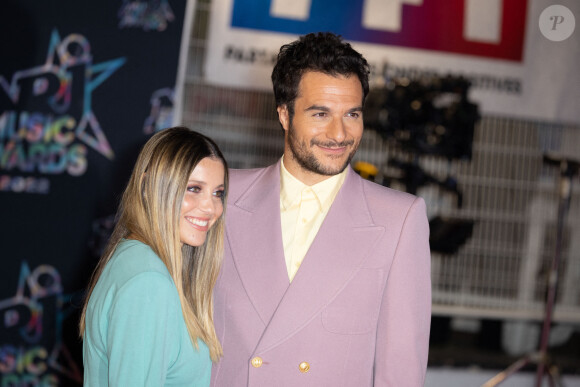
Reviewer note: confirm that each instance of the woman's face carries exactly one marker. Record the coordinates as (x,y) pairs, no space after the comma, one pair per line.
(202,203)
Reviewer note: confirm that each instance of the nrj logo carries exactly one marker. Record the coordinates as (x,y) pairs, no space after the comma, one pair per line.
(46,116)
(32,352)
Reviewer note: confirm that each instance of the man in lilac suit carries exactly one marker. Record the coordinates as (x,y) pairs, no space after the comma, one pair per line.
(326,276)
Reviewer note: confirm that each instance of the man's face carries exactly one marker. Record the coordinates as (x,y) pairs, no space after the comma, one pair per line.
(327,126)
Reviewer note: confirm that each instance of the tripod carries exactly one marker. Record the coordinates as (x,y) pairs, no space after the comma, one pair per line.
(568,168)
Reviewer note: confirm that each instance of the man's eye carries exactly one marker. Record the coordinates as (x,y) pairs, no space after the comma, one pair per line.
(320,114)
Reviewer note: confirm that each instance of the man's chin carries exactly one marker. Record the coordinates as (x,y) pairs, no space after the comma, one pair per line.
(332,169)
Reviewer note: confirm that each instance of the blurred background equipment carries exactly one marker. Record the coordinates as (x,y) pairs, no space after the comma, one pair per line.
(433,117)
(568,168)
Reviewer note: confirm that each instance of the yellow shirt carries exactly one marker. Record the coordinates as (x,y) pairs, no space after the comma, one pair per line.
(302,211)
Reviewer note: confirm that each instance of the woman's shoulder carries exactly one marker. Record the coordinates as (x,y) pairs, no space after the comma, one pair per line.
(133,260)
(134,273)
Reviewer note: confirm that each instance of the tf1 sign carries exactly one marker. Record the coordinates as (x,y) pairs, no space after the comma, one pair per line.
(485,28)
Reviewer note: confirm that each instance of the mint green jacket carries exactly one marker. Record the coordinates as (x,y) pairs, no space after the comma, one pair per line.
(135,332)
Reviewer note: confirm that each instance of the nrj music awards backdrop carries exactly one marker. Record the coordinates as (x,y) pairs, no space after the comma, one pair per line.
(520,56)
(83,85)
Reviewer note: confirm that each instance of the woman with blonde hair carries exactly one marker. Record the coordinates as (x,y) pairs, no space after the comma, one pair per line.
(147,318)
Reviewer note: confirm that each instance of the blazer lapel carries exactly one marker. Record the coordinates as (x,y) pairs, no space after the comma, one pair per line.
(255,236)
(345,238)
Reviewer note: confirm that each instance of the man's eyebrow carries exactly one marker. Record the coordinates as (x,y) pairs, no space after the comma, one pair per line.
(326,109)
(317,107)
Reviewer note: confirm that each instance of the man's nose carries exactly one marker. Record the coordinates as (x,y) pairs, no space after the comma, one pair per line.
(337,130)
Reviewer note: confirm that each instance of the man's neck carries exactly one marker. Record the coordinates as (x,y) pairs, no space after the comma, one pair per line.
(305,176)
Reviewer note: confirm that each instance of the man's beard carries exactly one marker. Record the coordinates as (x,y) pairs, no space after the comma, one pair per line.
(303,154)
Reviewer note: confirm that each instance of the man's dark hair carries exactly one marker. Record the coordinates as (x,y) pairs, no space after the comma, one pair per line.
(324,52)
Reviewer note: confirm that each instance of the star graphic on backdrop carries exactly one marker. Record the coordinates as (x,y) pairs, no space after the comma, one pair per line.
(27,313)
(63,54)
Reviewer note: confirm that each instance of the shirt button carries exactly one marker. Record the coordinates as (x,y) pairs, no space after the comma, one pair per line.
(304,367)
(257,362)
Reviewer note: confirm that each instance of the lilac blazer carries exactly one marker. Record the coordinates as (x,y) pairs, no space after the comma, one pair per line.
(357,312)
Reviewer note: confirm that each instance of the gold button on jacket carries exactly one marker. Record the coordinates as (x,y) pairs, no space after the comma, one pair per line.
(257,362)
(304,367)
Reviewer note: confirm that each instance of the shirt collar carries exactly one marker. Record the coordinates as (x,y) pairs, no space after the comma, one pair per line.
(325,191)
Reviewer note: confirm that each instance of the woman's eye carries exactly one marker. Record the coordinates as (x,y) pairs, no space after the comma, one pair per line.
(219,194)
(194,188)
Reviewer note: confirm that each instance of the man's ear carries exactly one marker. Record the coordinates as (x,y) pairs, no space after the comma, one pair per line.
(284,116)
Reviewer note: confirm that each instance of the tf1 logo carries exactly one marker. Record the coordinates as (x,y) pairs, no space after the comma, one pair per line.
(486,28)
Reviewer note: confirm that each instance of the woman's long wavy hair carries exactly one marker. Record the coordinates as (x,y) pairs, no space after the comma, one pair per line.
(149,212)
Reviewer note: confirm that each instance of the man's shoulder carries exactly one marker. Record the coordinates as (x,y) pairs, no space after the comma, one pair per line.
(242,174)
(385,202)
(380,193)
(241,179)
